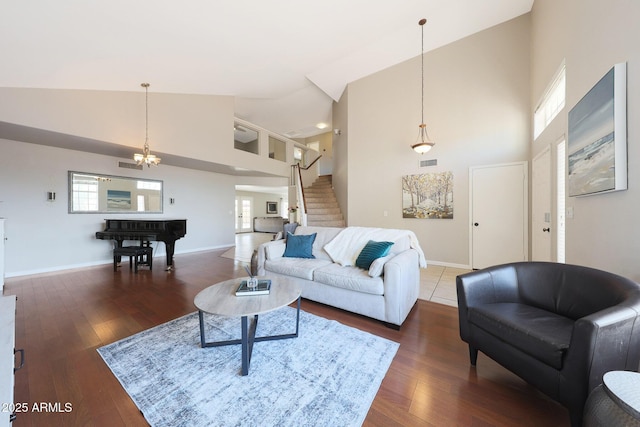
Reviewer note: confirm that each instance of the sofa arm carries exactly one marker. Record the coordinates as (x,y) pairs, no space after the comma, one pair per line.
(269,250)
(401,285)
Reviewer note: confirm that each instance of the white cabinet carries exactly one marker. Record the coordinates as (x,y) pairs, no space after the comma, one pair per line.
(1,255)
(7,359)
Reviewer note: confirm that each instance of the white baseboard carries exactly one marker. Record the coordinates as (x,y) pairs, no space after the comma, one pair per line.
(449,264)
(157,254)
(57,268)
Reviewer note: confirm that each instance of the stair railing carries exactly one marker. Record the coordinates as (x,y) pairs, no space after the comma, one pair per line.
(297,180)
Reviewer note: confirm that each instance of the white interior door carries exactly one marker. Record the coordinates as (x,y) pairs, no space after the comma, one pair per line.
(244,214)
(498,201)
(541,209)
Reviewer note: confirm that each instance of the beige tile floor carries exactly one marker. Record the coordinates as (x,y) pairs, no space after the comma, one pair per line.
(437,283)
(246,243)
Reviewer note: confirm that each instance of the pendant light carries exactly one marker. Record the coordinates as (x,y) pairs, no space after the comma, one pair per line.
(146,157)
(424,143)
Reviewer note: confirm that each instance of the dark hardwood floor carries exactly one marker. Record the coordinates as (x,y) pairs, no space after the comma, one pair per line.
(62,318)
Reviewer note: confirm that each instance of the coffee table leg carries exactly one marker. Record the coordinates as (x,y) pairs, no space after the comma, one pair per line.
(245,346)
(200,317)
(248,338)
(298,317)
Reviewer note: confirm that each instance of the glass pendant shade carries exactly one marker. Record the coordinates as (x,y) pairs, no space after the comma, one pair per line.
(146,157)
(424,143)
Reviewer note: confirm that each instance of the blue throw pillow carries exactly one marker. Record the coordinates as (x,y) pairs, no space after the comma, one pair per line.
(299,246)
(372,251)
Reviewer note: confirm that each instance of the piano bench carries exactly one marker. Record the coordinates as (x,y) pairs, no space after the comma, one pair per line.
(138,255)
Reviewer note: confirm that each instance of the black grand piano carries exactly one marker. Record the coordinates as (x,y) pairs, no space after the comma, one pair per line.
(167,231)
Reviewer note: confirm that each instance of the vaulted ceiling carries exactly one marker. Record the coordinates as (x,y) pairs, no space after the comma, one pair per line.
(284,61)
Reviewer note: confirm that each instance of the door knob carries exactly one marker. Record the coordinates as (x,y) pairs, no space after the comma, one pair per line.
(475,224)
(546,229)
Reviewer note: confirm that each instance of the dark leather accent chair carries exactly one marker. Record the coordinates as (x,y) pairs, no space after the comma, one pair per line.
(559,327)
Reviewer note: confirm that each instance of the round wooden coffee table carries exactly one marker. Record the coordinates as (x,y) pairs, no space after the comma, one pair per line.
(220,299)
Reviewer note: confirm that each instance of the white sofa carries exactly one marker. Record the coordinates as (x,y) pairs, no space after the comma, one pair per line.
(387,291)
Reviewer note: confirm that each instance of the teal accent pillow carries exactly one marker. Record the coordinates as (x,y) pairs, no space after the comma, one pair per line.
(372,251)
(299,246)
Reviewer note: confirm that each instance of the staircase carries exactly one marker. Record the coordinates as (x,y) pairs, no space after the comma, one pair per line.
(322,205)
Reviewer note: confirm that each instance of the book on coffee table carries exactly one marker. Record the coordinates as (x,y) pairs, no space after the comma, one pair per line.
(262,289)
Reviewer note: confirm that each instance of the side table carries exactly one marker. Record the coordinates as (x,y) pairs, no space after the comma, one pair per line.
(616,402)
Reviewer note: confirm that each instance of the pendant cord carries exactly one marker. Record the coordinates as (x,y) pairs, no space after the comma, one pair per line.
(423,143)
(422,72)
(146,112)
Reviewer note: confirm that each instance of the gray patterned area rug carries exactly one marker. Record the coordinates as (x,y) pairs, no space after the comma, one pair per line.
(328,376)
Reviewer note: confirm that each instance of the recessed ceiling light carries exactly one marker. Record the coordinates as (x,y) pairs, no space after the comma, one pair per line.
(321,125)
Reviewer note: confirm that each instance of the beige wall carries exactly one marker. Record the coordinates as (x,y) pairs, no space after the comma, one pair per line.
(477,111)
(260,203)
(479,96)
(42,236)
(183,125)
(325,143)
(192,126)
(592,36)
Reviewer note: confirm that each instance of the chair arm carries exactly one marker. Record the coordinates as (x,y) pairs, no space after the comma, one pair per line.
(401,285)
(490,285)
(271,248)
(604,341)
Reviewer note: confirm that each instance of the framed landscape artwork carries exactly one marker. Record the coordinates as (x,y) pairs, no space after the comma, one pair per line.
(428,195)
(597,151)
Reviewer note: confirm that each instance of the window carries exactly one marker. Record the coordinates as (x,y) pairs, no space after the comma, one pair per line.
(551,104)
(561,171)
(277,149)
(85,193)
(245,138)
(149,185)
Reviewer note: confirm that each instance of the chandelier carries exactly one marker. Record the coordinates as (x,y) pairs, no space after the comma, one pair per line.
(424,143)
(146,157)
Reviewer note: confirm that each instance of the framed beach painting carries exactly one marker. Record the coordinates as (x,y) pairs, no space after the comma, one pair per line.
(597,152)
(118,200)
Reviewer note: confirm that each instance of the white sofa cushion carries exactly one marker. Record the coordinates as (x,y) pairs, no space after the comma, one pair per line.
(352,278)
(296,267)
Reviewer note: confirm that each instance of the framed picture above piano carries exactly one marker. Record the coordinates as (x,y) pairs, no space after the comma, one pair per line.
(99,193)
